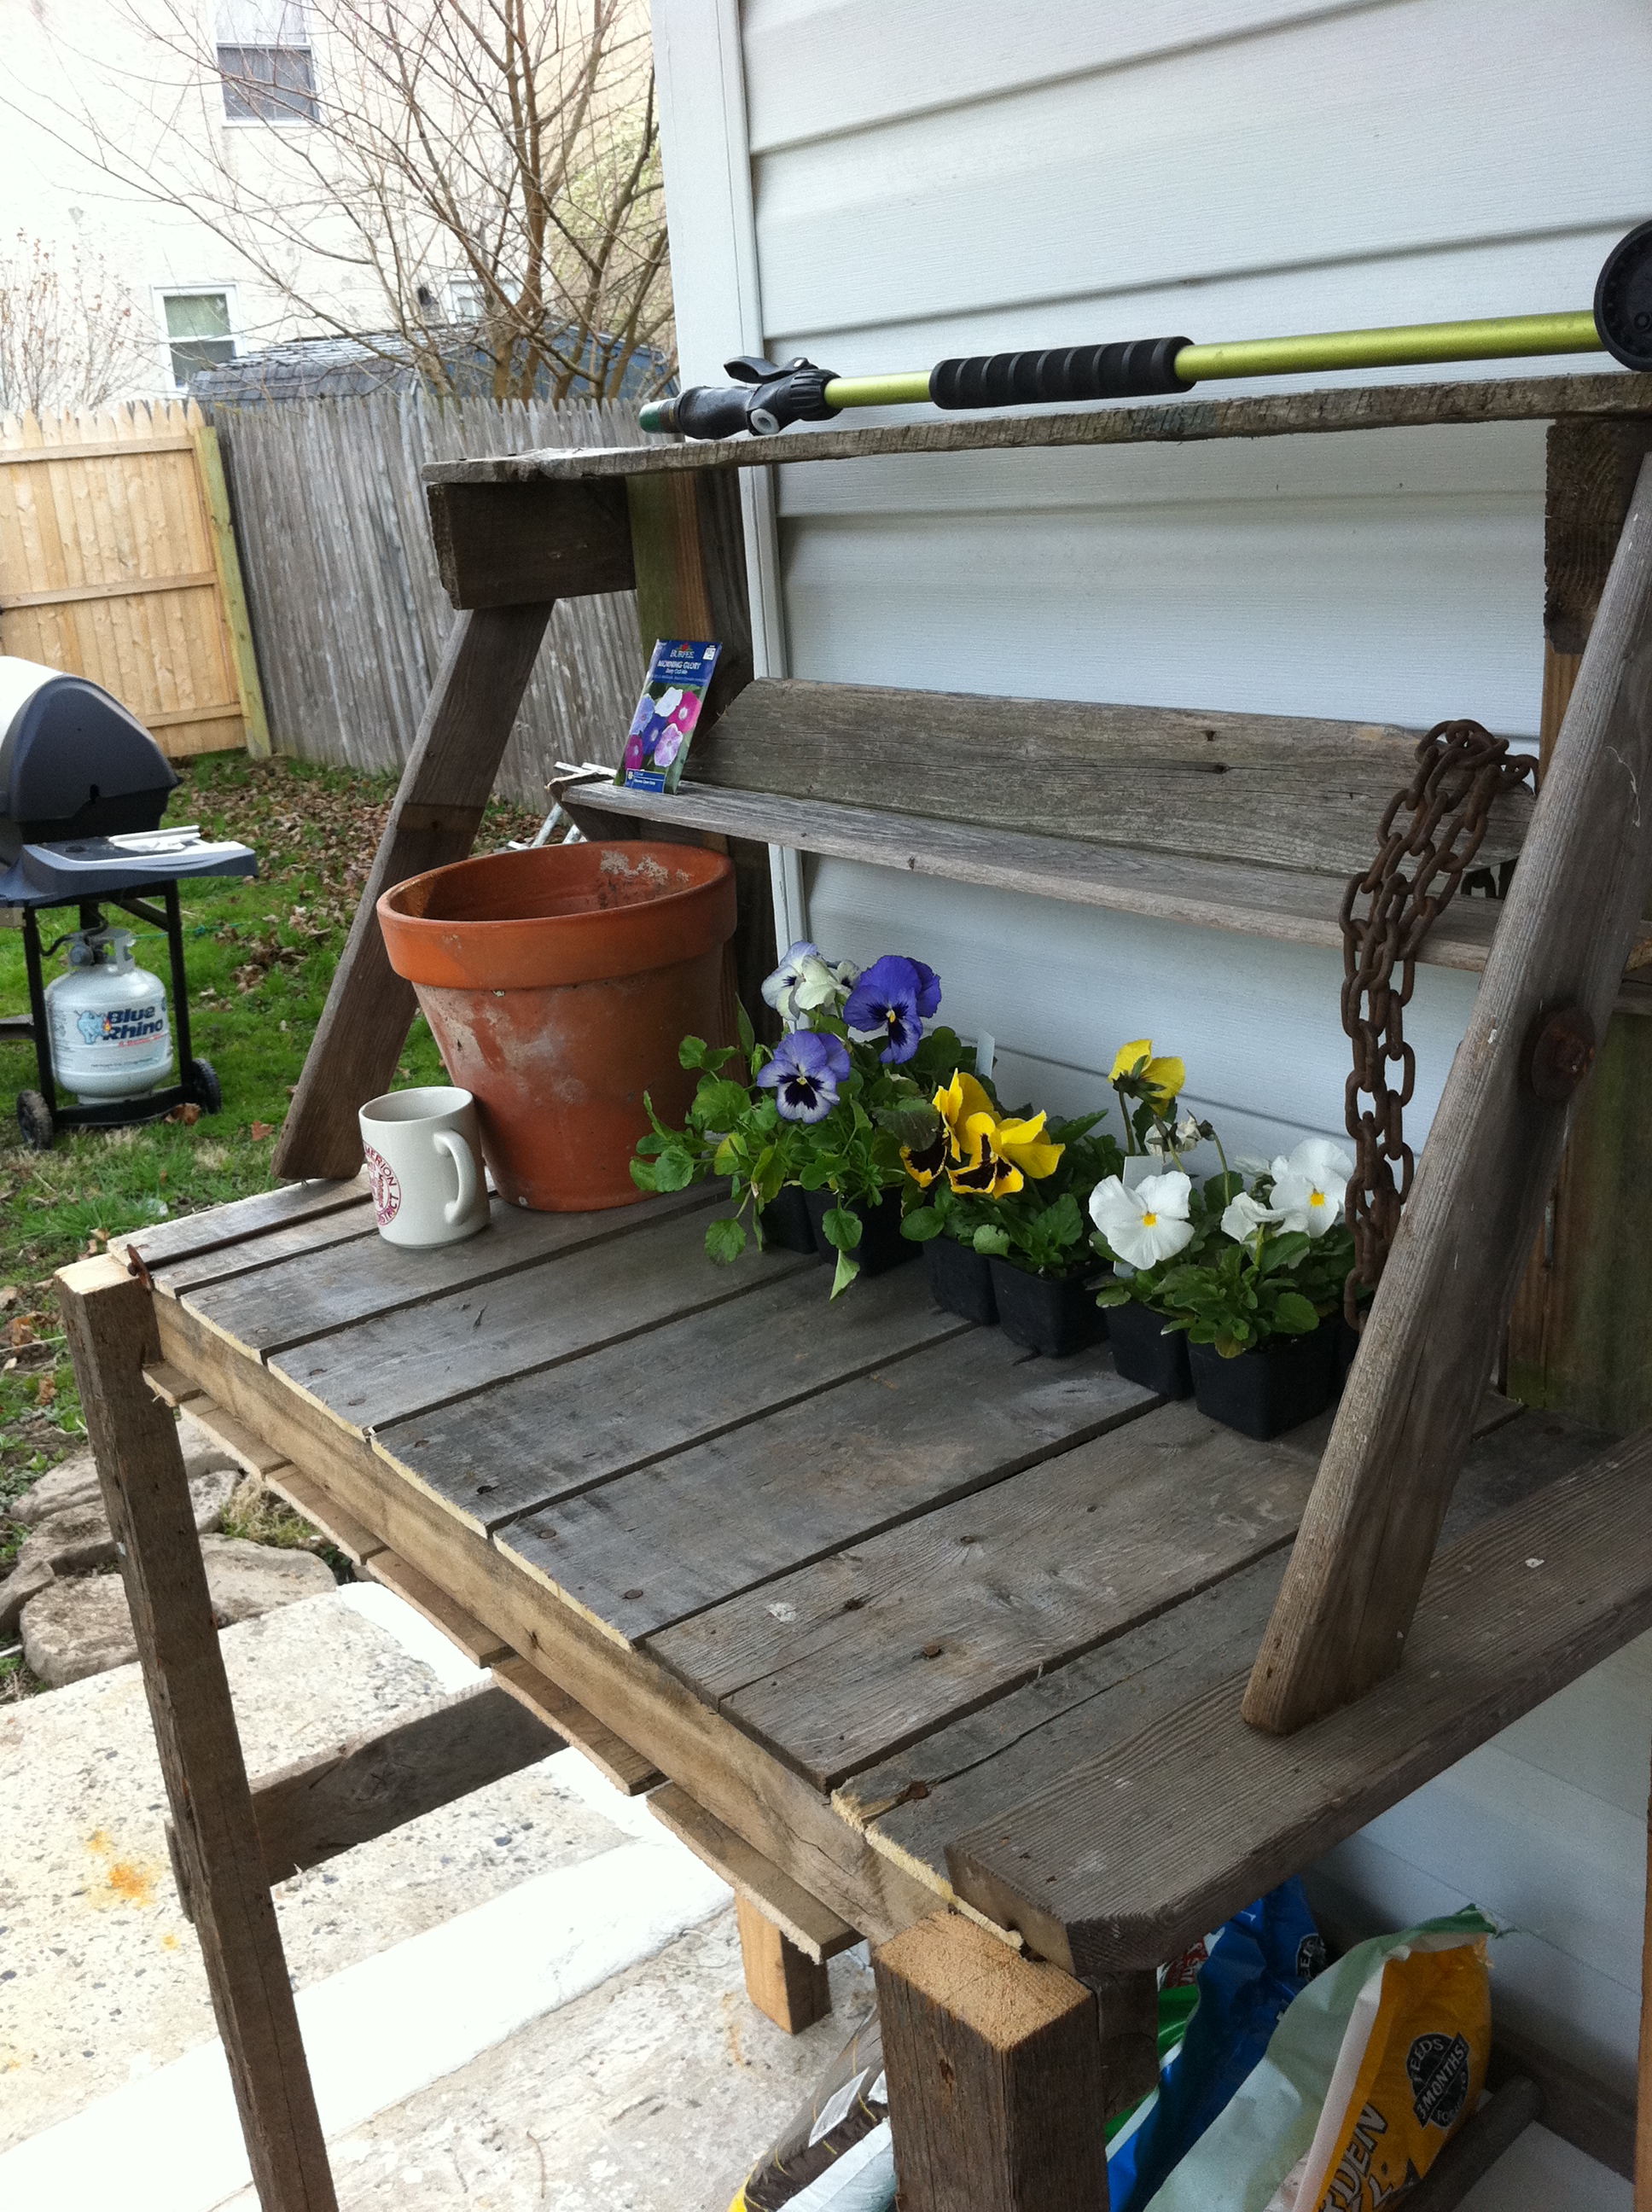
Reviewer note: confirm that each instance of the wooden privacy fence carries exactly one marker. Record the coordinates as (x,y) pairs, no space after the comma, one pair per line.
(117,563)
(349,612)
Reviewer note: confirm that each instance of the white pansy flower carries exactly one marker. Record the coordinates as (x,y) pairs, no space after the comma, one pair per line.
(1188,1132)
(1245,1215)
(1309,1186)
(803,982)
(1146,1225)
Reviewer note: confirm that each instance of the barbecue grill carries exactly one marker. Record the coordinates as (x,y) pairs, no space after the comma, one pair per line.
(83,787)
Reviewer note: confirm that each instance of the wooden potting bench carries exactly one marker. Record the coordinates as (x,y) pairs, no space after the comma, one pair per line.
(915,1637)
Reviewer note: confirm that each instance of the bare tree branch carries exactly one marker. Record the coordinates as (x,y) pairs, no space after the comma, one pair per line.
(489,168)
(70,336)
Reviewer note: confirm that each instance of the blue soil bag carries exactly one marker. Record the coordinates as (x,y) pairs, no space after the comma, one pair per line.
(1263,1957)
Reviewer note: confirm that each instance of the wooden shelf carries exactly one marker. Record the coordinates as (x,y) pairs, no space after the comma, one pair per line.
(1173,422)
(1295,906)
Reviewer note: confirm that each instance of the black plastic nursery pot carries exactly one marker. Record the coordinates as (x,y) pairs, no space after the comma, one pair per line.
(1056,1315)
(961,1280)
(1144,1354)
(1264,1393)
(785,1222)
(882,1245)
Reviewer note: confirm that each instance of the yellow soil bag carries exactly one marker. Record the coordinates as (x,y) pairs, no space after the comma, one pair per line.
(1411,2070)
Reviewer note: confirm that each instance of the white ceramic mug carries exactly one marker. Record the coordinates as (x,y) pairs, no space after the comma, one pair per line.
(418,1143)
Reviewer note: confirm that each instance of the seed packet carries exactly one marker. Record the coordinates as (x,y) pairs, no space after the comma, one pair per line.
(680,671)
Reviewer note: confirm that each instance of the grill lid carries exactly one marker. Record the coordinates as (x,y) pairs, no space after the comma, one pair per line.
(73,761)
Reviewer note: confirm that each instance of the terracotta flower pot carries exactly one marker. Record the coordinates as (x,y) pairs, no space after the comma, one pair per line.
(559,984)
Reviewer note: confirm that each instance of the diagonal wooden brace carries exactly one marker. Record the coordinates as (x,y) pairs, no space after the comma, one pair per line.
(110,1321)
(445,787)
(1430,1341)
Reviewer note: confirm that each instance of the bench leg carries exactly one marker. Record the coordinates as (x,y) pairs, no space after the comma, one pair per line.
(111,1326)
(783,1982)
(994,2072)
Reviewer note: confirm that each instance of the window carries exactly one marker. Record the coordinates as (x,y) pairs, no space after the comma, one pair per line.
(467,301)
(198,332)
(265,62)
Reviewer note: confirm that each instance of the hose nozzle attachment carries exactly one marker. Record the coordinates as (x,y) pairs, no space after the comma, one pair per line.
(766,399)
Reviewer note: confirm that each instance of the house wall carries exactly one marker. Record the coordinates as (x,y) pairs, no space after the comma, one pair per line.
(879,186)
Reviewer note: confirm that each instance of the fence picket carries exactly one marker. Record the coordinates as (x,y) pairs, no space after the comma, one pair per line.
(347,608)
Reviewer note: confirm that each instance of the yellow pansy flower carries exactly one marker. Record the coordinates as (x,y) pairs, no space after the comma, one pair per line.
(954,1103)
(1159,1081)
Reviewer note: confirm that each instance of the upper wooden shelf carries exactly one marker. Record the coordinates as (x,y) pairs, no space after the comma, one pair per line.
(1241,822)
(1274,415)
(1295,906)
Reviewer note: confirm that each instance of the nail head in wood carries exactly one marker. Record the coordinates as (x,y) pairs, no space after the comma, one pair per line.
(1560,1054)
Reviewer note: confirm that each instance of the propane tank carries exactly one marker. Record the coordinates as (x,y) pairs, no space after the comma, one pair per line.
(107,1018)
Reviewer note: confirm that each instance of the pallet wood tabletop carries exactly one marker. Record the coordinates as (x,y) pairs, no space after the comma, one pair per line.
(894,1602)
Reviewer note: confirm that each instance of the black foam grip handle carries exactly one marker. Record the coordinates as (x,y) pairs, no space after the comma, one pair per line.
(1131,370)
(711,410)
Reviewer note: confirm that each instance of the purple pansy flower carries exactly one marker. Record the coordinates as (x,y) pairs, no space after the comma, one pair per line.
(890,1001)
(804,1073)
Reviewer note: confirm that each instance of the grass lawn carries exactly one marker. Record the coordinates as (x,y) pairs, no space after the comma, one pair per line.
(261,954)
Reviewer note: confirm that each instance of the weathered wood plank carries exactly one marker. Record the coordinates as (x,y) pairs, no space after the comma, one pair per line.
(1279,790)
(110,1321)
(1177,422)
(312,1810)
(673,1538)
(241,1441)
(548,1435)
(428,1599)
(1570,920)
(839,1664)
(785,1984)
(623,1765)
(1178,1827)
(317,1233)
(913,1804)
(997,2098)
(299,1301)
(731,1777)
(240,1220)
(502,545)
(445,788)
(317,1505)
(813,1928)
(1579,1334)
(1296,907)
(389,1368)
(169,1385)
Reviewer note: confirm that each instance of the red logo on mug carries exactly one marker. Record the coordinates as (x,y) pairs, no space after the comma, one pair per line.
(386,1190)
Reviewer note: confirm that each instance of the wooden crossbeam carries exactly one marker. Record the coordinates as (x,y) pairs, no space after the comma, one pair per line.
(1403,1428)
(314,1809)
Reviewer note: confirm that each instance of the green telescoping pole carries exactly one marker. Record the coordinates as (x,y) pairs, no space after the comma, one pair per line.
(1501,338)
(1175,366)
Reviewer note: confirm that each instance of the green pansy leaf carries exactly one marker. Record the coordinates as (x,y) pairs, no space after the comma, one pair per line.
(692,1052)
(994,1242)
(724,1241)
(673,1170)
(847,1270)
(1295,1315)
(842,1229)
(921,1223)
(643,1174)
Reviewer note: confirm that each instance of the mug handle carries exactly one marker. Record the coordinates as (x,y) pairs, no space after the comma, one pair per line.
(449,1141)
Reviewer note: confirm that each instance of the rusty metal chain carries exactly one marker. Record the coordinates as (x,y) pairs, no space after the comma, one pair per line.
(1429,834)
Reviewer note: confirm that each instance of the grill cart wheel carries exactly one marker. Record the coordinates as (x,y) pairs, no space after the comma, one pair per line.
(202,1085)
(36,1120)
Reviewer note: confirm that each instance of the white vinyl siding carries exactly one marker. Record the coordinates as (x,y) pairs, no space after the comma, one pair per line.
(881,186)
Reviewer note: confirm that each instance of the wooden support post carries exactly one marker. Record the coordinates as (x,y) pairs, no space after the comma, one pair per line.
(1580,1336)
(1403,1428)
(783,1982)
(110,1322)
(1644,2096)
(446,786)
(689,541)
(994,2063)
(215,489)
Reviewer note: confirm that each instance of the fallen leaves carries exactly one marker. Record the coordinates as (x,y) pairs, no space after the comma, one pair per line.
(189,1113)
(45,1389)
(260,1130)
